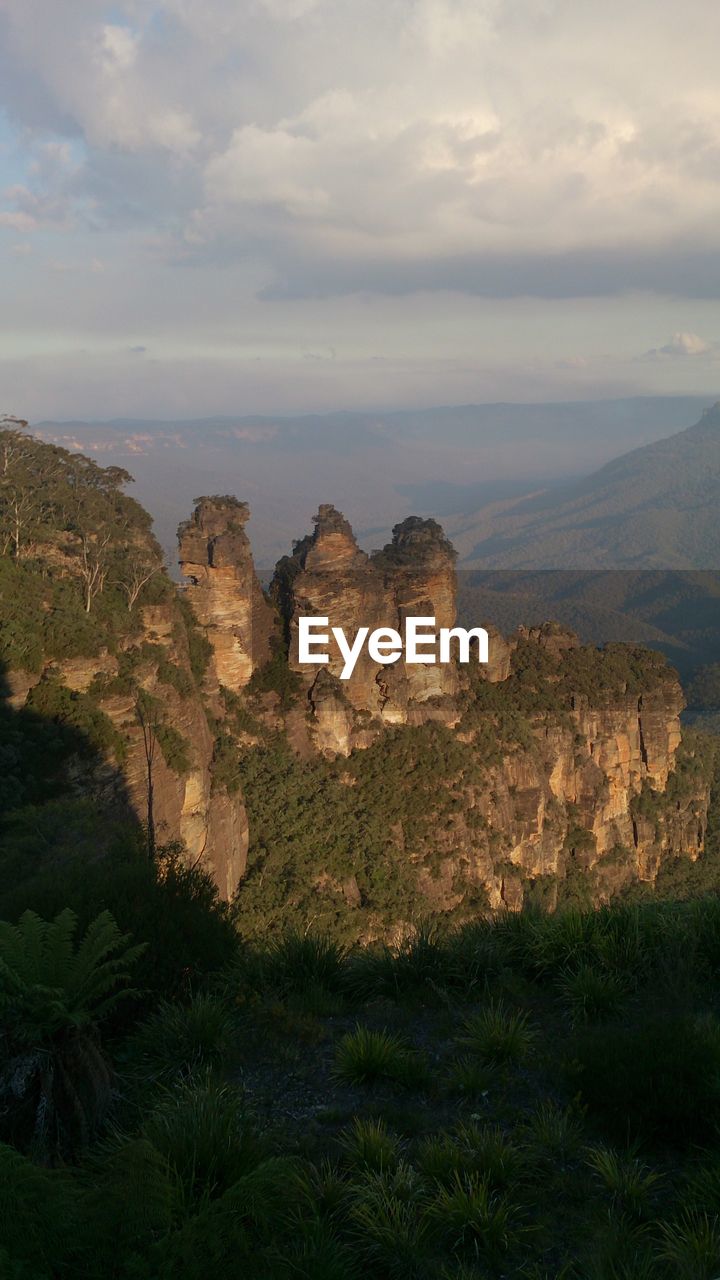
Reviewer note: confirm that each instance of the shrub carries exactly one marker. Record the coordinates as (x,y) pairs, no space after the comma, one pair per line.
(52,700)
(368,1145)
(38,1217)
(630,1182)
(467,1213)
(199,647)
(239,1232)
(416,968)
(691,1246)
(470,1077)
(173,908)
(277,676)
(130,1199)
(364,1057)
(388,1230)
(491,1154)
(203,1132)
(498,1036)
(590,994)
(178,1038)
(702,1189)
(439,1158)
(296,962)
(176,751)
(553,1133)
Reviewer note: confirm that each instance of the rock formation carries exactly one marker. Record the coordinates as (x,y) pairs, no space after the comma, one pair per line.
(211,824)
(216,559)
(329,576)
(576,799)
(551,758)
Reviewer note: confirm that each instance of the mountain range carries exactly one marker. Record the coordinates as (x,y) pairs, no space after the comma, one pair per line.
(448,461)
(653,508)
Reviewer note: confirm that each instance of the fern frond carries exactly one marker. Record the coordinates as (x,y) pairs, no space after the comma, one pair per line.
(55,963)
(101,962)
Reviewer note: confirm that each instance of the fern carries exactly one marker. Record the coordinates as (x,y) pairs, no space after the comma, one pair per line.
(55,1084)
(47,984)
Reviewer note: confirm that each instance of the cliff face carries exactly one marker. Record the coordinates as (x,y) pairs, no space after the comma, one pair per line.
(329,576)
(148,693)
(216,558)
(578,799)
(551,760)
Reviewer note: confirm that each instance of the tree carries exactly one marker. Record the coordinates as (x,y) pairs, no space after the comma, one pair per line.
(137,571)
(11,439)
(55,1081)
(148,719)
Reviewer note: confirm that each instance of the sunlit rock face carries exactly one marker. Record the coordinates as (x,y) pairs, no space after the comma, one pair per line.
(223,588)
(329,576)
(567,798)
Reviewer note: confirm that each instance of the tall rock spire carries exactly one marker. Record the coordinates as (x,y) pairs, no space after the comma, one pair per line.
(216,559)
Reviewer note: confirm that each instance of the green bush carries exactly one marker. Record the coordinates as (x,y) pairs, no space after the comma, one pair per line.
(590,994)
(94,729)
(177,1039)
(201,1128)
(498,1036)
(175,748)
(368,1145)
(364,1057)
(39,1217)
(171,907)
(467,1214)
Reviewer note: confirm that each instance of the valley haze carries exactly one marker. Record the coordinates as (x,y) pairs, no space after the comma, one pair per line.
(377,466)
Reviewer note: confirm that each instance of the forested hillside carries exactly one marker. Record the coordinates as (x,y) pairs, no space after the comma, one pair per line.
(653,508)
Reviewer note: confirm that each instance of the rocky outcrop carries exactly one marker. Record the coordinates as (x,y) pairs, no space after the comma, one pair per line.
(226,596)
(211,825)
(576,772)
(598,791)
(329,576)
(163,736)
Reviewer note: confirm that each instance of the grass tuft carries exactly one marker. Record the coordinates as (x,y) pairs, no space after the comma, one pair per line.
(364,1056)
(497,1035)
(368,1145)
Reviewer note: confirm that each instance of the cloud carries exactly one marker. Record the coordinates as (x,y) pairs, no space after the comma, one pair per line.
(16,220)
(490,196)
(685,344)
(682,345)
(340,141)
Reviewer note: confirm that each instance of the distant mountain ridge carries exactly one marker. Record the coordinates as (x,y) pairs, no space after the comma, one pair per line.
(378,467)
(653,508)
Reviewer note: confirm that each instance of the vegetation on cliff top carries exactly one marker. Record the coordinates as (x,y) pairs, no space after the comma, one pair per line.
(77,554)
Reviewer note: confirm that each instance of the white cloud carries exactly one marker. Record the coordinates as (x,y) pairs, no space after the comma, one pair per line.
(682,345)
(685,344)
(437,127)
(118,47)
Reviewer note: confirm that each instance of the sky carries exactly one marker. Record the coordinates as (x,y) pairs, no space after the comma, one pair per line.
(287,206)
